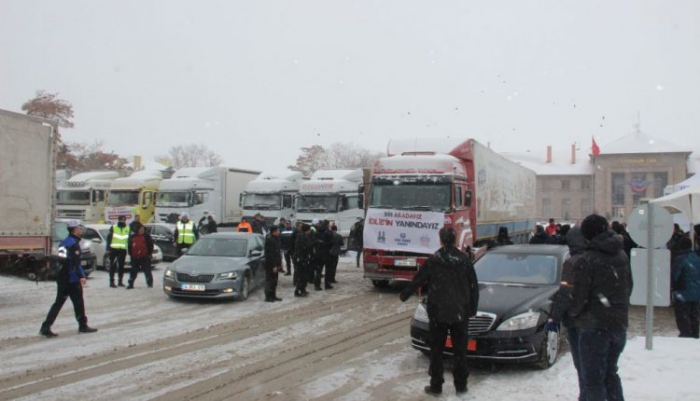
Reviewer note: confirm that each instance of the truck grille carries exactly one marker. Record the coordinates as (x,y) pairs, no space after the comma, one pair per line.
(481,323)
(186,278)
(71,214)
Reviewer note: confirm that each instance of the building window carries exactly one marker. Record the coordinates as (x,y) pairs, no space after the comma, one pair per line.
(566,208)
(639,186)
(586,183)
(618,189)
(660,182)
(586,207)
(546,207)
(565,183)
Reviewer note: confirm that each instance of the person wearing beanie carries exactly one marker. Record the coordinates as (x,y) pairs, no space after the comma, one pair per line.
(273,264)
(685,284)
(600,308)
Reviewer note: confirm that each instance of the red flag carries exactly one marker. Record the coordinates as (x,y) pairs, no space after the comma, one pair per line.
(595,148)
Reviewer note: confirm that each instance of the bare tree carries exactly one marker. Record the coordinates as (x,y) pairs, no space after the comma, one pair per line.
(311,159)
(192,155)
(91,157)
(337,156)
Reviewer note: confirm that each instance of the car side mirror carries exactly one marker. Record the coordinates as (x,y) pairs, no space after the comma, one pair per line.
(255,253)
(96,240)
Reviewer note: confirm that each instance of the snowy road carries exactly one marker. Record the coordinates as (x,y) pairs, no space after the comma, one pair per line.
(348,343)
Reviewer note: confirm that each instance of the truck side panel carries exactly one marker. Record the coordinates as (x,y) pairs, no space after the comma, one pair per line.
(505,193)
(235,183)
(27,168)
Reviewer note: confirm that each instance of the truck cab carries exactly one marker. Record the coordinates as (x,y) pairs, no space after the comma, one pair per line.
(272,195)
(332,195)
(84,196)
(133,195)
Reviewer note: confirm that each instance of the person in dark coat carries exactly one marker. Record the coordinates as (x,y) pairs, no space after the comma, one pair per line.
(600,308)
(562,299)
(503,238)
(453,297)
(292,251)
(336,247)
(211,225)
(627,241)
(69,282)
(273,264)
(286,233)
(140,251)
(357,237)
(322,253)
(672,243)
(540,236)
(259,225)
(685,284)
(304,256)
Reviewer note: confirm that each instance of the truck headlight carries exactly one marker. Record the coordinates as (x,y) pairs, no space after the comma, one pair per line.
(522,321)
(228,276)
(421,314)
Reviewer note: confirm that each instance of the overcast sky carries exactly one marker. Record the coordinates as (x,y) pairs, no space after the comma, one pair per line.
(256,80)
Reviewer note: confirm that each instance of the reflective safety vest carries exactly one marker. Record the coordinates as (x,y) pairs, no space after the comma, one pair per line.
(244,227)
(185,233)
(120,237)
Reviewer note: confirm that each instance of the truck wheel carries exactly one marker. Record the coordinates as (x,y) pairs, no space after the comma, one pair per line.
(380,283)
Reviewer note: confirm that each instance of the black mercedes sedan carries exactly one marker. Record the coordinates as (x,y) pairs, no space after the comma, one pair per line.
(516,283)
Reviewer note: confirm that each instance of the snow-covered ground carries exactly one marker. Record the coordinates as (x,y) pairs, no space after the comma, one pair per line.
(350,343)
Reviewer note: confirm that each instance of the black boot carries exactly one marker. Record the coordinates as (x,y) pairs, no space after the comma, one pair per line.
(111,283)
(433,390)
(86,329)
(46,332)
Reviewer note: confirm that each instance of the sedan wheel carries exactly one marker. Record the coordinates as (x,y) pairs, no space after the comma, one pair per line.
(105,263)
(549,351)
(245,288)
(380,283)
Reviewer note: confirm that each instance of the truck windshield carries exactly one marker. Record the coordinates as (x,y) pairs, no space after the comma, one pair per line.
(262,201)
(64,197)
(411,195)
(173,199)
(123,198)
(317,203)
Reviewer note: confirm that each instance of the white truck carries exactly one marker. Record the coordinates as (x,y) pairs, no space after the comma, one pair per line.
(198,189)
(332,195)
(27,192)
(272,195)
(84,196)
(132,195)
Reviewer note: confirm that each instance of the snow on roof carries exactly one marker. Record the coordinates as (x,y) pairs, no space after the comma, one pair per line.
(437,145)
(284,175)
(95,175)
(641,142)
(560,164)
(350,175)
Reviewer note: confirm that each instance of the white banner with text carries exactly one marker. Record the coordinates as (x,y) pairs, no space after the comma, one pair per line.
(403,230)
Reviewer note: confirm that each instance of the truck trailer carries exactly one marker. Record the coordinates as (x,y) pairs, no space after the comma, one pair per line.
(27,192)
(84,196)
(271,194)
(195,190)
(425,184)
(333,195)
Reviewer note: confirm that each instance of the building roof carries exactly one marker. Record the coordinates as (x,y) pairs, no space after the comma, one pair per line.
(560,164)
(641,142)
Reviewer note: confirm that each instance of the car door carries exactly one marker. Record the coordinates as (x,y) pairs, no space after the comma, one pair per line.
(164,239)
(99,247)
(256,263)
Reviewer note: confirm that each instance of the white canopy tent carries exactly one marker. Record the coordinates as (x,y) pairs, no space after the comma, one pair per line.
(686,201)
(692,181)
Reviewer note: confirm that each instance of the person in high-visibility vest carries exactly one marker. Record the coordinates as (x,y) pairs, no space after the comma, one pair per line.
(185,233)
(117,242)
(244,227)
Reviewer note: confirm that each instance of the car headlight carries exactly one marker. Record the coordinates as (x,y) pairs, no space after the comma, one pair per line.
(522,321)
(228,276)
(169,273)
(421,314)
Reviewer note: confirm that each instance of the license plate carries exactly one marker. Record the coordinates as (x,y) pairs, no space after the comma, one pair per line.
(405,262)
(193,287)
(471,344)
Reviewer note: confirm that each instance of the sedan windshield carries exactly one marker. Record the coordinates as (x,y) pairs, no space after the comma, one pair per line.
(219,247)
(517,268)
(411,195)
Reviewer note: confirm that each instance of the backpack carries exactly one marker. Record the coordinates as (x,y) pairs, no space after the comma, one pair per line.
(139,249)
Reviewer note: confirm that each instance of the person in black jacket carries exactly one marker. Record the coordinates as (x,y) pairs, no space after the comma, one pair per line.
(453,297)
(562,299)
(273,264)
(503,238)
(600,308)
(140,251)
(357,237)
(336,248)
(304,256)
(69,282)
(322,254)
(540,236)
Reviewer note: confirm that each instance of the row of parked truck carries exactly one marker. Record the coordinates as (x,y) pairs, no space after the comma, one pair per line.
(470,187)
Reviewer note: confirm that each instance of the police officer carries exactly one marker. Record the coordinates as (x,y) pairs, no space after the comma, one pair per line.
(69,281)
(185,233)
(286,238)
(303,255)
(453,297)
(336,248)
(322,254)
(117,242)
(273,264)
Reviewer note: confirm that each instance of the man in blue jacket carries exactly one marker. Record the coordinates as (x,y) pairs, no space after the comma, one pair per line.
(685,283)
(70,281)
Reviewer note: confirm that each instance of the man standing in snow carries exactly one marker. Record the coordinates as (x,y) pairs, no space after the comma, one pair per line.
(273,264)
(453,297)
(600,308)
(685,283)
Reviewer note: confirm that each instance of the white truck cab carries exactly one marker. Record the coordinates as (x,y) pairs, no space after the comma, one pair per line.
(272,195)
(84,196)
